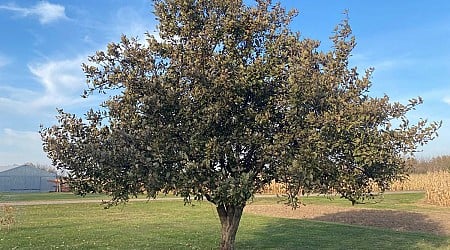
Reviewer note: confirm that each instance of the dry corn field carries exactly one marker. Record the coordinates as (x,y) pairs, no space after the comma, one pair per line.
(435,184)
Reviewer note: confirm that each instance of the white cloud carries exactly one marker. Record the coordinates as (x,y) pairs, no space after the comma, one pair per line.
(133,23)
(365,61)
(4,61)
(10,106)
(447,100)
(63,81)
(14,101)
(15,93)
(392,64)
(12,136)
(46,12)
(17,147)
(438,95)
(61,85)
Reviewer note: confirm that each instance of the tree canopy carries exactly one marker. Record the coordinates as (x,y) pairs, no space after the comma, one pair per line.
(226,100)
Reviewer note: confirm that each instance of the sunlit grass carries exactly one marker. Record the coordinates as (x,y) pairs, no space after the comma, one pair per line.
(9,197)
(414,201)
(168,224)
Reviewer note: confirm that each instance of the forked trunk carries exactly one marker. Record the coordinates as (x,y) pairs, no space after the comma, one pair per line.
(230,216)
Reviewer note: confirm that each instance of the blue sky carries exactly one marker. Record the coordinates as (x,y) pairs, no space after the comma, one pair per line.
(44,43)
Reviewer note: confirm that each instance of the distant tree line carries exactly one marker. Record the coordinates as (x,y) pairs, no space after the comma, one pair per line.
(437,163)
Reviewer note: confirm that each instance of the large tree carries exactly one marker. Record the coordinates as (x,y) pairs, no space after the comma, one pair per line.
(227,99)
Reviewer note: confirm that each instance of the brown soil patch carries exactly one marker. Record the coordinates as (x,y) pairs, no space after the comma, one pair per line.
(429,222)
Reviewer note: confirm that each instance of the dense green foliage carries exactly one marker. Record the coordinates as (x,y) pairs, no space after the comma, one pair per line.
(225,101)
(218,111)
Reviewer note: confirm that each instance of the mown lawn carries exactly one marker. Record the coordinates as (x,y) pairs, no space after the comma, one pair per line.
(12,197)
(405,201)
(165,224)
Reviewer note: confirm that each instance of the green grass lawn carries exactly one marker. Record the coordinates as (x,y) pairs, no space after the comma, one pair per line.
(167,224)
(409,201)
(53,196)
(10,197)
(403,201)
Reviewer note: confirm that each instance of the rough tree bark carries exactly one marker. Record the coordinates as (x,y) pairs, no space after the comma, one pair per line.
(230,216)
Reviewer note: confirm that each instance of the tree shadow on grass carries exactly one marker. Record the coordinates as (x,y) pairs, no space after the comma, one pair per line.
(390,219)
(280,233)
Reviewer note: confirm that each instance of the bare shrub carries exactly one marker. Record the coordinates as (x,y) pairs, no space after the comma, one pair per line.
(7,216)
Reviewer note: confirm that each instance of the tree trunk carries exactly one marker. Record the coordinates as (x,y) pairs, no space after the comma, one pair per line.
(230,216)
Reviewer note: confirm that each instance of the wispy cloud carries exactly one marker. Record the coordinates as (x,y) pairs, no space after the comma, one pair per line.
(13,135)
(393,64)
(369,60)
(437,95)
(133,23)
(14,101)
(447,100)
(13,143)
(57,84)
(46,12)
(4,60)
(62,80)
